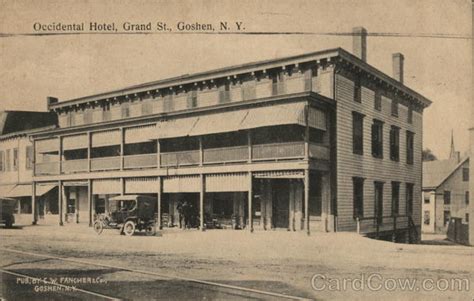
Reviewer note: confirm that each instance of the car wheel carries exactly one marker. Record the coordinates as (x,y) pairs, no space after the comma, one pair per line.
(129,228)
(150,229)
(98,227)
(9,224)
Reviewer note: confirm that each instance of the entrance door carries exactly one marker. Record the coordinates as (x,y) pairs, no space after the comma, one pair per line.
(281,203)
(378,189)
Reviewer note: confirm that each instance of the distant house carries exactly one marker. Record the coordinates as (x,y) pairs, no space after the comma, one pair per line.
(16,157)
(445,192)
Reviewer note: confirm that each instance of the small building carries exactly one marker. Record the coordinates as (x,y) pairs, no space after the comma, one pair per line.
(321,141)
(445,192)
(16,157)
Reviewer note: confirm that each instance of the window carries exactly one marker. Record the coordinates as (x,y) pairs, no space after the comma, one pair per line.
(358,196)
(357,90)
(224,93)
(147,107)
(2,161)
(378,100)
(394,107)
(446,217)
(466,218)
(465,174)
(357,133)
(466,197)
(426,196)
(71,119)
(394,143)
(106,115)
(410,146)
(378,201)
(426,217)
(447,197)
(15,159)
(29,157)
(125,110)
(395,198)
(409,198)
(377,139)
(410,115)
(7,160)
(192,99)
(88,116)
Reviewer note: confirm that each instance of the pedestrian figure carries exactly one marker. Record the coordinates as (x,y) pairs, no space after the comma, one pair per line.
(180,208)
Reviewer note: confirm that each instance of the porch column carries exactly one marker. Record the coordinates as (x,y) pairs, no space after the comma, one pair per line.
(201,152)
(291,206)
(60,153)
(299,205)
(250,201)
(89,200)
(60,202)
(34,207)
(268,204)
(121,149)
(249,146)
(325,202)
(201,202)
(158,155)
(160,193)
(89,152)
(306,200)
(306,133)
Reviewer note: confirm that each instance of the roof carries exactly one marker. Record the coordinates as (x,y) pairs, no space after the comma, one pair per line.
(20,121)
(246,68)
(438,171)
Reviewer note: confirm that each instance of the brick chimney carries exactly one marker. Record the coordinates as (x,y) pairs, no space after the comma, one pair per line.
(359,42)
(397,66)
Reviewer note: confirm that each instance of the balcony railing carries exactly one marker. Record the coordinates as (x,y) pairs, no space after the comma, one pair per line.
(140,161)
(318,151)
(47,168)
(180,158)
(106,163)
(288,150)
(227,154)
(71,166)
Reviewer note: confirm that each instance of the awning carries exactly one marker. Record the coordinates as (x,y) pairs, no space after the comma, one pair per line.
(142,185)
(219,123)
(106,186)
(279,174)
(317,119)
(292,113)
(75,142)
(21,190)
(43,189)
(140,133)
(227,182)
(175,127)
(106,138)
(5,189)
(178,184)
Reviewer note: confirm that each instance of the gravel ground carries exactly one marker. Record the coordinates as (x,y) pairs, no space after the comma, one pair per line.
(278,261)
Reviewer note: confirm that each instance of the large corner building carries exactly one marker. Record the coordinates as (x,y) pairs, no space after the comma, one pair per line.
(315,142)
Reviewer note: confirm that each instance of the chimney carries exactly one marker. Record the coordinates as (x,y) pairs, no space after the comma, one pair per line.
(397,66)
(51,100)
(359,42)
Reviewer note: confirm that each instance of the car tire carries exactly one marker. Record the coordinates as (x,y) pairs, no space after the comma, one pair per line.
(9,224)
(150,229)
(129,228)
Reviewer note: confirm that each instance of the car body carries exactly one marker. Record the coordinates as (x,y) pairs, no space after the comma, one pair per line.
(7,207)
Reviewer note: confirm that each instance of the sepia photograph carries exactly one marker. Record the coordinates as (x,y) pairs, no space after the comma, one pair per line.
(236,150)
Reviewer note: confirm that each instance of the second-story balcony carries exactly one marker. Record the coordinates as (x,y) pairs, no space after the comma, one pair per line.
(140,161)
(105,163)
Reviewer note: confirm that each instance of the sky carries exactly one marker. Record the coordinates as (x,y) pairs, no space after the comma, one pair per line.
(434,36)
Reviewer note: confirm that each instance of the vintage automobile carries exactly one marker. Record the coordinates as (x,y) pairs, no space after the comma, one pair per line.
(129,213)
(7,207)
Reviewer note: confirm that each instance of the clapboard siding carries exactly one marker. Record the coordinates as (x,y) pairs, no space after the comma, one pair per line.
(373,169)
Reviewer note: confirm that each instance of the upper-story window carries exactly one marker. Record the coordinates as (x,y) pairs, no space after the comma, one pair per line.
(29,157)
(394,143)
(378,100)
(447,197)
(147,107)
(71,118)
(192,99)
(106,114)
(15,159)
(2,161)
(410,146)
(465,174)
(224,93)
(410,115)
(7,160)
(357,133)
(427,197)
(377,139)
(394,109)
(357,90)
(466,197)
(409,198)
(125,107)
(87,116)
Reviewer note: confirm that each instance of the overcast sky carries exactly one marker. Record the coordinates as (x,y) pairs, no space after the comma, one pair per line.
(70,66)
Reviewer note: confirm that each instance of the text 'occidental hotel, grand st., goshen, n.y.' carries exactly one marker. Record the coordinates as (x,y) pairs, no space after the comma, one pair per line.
(316,142)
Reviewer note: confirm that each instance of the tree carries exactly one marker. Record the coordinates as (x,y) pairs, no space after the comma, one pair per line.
(428,155)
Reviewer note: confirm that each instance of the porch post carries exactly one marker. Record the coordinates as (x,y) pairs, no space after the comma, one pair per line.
(249,145)
(34,208)
(250,200)
(89,152)
(201,202)
(158,155)
(306,133)
(89,200)
(201,152)
(160,193)
(60,152)
(121,148)
(60,202)
(306,200)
